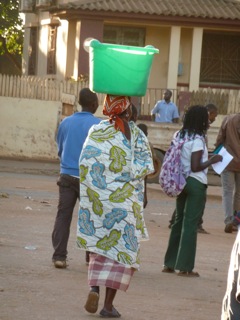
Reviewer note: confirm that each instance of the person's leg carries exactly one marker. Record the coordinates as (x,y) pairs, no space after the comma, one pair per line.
(194,206)
(87,257)
(236,196)
(60,235)
(108,310)
(91,304)
(171,221)
(95,289)
(109,297)
(175,235)
(228,186)
(200,223)
(227,178)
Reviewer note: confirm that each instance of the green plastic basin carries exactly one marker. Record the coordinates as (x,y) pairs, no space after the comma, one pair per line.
(118,69)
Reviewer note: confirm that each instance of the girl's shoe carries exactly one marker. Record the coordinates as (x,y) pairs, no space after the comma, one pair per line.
(188,274)
(167,270)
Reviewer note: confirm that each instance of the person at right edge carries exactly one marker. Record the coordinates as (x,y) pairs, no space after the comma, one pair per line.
(231,300)
(181,251)
(229,137)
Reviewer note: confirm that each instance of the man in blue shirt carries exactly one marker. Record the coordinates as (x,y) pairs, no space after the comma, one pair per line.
(71,136)
(165,110)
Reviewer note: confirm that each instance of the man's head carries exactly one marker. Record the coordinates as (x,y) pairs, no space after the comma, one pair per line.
(167,95)
(212,112)
(88,100)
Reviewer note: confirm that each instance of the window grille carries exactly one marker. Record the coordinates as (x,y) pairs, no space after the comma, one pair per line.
(124,35)
(220,62)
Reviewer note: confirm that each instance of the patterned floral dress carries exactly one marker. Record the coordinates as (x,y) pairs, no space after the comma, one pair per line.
(112,171)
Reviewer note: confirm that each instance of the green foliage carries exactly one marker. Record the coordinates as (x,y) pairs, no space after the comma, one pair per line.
(11,28)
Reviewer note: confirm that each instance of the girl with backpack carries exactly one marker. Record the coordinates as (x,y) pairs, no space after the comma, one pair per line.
(181,251)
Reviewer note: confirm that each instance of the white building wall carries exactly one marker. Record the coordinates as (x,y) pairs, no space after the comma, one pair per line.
(28,128)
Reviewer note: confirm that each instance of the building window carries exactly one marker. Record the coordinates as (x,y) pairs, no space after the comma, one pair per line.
(51,56)
(32,51)
(124,35)
(220,63)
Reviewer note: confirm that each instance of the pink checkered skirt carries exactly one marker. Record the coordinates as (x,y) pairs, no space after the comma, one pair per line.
(103,271)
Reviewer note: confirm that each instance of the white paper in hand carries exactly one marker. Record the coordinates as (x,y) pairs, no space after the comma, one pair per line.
(221,165)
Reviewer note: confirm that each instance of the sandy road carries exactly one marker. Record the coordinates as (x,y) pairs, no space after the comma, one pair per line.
(31,289)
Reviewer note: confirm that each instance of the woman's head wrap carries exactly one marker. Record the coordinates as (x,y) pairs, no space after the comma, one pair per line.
(113,106)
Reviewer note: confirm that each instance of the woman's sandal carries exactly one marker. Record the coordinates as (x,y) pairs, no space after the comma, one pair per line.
(91,305)
(167,270)
(188,274)
(110,314)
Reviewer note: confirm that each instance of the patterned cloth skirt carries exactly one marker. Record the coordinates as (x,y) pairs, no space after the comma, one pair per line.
(103,271)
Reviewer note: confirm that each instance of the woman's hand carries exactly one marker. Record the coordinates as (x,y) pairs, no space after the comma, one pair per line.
(197,164)
(215,158)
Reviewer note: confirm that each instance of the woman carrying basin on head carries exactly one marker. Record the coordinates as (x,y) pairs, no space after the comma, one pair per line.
(114,161)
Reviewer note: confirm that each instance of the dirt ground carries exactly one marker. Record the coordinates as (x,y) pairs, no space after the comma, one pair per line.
(31,288)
